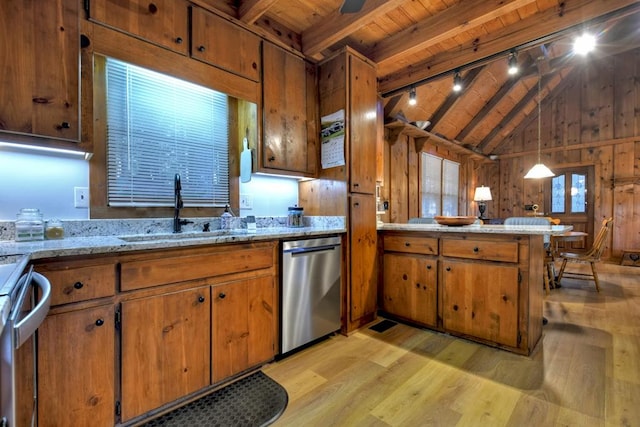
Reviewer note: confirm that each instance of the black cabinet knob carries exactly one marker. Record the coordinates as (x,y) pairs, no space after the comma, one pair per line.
(407,244)
(153,9)
(99,322)
(200,298)
(448,268)
(271,159)
(64,125)
(178,40)
(222,295)
(78,285)
(455,308)
(404,277)
(428,267)
(476,249)
(201,48)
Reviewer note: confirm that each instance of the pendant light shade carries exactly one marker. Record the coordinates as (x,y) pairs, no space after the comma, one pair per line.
(539,170)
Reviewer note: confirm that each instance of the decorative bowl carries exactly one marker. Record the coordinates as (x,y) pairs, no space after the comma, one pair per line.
(455,221)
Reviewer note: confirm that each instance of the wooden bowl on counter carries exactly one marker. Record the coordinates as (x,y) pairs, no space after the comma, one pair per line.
(455,221)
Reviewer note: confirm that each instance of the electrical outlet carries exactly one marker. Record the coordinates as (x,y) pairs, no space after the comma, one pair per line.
(246,201)
(81,197)
(528,207)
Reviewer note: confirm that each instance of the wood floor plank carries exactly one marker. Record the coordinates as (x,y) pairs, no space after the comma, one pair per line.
(584,372)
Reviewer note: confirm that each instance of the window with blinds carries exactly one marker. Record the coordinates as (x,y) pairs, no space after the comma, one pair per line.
(159,126)
(439,186)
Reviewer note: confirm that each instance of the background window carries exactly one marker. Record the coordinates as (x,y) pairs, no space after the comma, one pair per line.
(439,186)
(158,126)
(569,193)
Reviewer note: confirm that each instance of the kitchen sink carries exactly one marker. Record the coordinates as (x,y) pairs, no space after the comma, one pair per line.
(181,236)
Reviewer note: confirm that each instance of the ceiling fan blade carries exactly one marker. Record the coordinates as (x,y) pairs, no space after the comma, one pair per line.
(351,6)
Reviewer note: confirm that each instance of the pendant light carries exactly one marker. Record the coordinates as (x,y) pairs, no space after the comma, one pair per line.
(539,170)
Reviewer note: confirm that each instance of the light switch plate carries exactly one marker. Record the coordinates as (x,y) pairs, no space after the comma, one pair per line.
(81,197)
(246,201)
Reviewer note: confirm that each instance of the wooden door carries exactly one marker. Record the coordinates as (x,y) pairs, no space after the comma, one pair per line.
(243,325)
(221,43)
(362,126)
(363,247)
(39,59)
(481,300)
(76,368)
(165,349)
(410,287)
(162,22)
(570,198)
(284,144)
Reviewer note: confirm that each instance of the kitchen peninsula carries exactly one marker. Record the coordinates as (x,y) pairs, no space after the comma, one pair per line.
(482,282)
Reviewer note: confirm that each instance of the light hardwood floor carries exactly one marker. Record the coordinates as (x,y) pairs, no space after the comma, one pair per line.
(584,372)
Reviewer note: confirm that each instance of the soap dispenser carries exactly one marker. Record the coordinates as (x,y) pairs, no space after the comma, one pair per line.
(226,218)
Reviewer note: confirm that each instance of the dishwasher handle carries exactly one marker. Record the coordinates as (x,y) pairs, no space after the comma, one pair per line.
(30,323)
(312,249)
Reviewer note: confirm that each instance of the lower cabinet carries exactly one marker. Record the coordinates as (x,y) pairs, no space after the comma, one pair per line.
(76,368)
(243,325)
(410,287)
(165,349)
(481,300)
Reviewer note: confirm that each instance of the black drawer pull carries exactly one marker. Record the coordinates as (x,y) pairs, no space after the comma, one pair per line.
(78,285)
(428,267)
(153,9)
(201,48)
(407,244)
(476,249)
(404,277)
(99,322)
(178,40)
(455,308)
(222,295)
(200,298)
(448,268)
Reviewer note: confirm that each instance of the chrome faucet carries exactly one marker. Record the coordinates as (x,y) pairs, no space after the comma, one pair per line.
(178,204)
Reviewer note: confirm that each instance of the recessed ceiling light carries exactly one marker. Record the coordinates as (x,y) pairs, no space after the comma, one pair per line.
(584,44)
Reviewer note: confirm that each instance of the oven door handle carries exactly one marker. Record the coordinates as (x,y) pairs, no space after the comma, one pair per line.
(30,323)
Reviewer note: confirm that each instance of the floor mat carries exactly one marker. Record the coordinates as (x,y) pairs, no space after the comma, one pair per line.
(383,326)
(255,400)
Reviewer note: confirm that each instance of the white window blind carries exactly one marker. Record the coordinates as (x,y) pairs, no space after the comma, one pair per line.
(159,126)
(439,186)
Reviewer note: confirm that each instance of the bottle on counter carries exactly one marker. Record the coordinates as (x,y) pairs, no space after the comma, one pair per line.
(54,229)
(226,218)
(295,217)
(29,225)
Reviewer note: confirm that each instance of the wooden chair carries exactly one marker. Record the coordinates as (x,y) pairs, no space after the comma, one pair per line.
(592,256)
(549,273)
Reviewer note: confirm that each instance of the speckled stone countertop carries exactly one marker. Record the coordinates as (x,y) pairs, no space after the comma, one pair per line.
(480,229)
(111,236)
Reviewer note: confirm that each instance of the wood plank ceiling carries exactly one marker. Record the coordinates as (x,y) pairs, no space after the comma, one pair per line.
(421,43)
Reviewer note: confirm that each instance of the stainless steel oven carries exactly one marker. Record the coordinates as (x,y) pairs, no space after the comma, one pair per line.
(27,294)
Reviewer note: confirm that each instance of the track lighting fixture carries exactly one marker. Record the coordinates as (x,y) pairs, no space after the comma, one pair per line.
(539,170)
(584,44)
(412,96)
(457,82)
(513,63)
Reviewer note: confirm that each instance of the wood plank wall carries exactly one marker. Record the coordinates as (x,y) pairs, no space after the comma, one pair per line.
(592,119)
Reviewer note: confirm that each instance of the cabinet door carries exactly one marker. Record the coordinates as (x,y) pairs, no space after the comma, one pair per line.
(362,126)
(284,106)
(76,368)
(410,287)
(243,325)
(363,246)
(165,349)
(481,300)
(39,59)
(162,22)
(221,43)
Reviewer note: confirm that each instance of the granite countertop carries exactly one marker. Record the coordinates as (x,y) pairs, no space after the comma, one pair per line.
(112,236)
(480,229)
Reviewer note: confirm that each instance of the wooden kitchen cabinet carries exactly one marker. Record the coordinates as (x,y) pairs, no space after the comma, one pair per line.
(39,59)
(481,300)
(76,368)
(165,349)
(363,256)
(162,22)
(243,335)
(411,287)
(289,142)
(221,43)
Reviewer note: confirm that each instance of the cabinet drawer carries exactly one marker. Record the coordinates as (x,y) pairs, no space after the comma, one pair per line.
(73,284)
(481,249)
(174,268)
(411,244)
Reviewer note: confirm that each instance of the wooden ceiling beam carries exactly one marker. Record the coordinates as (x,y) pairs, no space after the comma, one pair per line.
(533,29)
(453,97)
(462,16)
(250,11)
(336,26)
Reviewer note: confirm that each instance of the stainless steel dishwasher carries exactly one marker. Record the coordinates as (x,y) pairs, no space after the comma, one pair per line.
(311,281)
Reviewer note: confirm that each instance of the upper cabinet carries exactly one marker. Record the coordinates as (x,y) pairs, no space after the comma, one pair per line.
(163,22)
(39,59)
(289,118)
(223,44)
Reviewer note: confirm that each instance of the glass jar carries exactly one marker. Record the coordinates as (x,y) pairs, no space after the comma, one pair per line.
(295,217)
(54,229)
(29,225)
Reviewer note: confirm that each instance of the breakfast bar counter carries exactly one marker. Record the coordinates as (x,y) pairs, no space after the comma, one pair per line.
(481,282)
